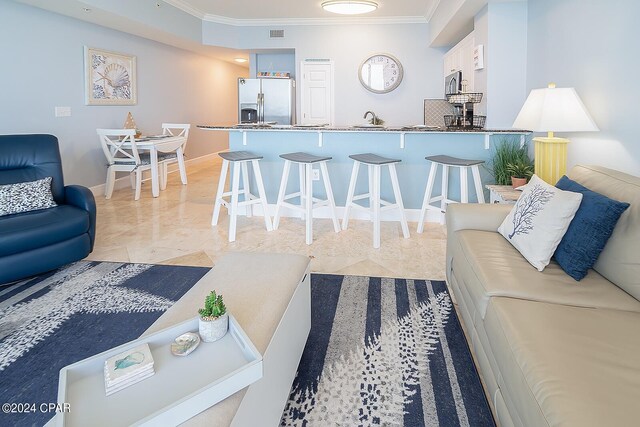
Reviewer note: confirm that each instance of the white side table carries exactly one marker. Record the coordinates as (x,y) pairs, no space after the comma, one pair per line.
(503,194)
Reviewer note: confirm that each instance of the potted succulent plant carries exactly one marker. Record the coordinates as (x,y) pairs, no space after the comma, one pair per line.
(520,172)
(214,319)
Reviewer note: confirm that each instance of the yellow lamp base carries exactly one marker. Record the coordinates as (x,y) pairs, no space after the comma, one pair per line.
(550,158)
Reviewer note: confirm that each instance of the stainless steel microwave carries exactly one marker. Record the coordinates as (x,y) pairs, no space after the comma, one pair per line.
(453,83)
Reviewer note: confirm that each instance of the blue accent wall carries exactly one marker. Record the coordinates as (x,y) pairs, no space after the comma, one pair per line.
(412,172)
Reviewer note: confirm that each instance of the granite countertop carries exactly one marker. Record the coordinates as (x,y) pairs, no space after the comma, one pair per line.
(417,129)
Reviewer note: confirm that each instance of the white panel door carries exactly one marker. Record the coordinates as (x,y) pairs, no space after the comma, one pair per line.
(317,93)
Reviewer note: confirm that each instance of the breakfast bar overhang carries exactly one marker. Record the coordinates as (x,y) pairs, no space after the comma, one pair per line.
(409,144)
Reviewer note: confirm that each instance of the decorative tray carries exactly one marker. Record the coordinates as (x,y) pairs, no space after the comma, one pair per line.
(180,388)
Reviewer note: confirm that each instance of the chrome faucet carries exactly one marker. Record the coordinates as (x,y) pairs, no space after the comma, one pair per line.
(375,118)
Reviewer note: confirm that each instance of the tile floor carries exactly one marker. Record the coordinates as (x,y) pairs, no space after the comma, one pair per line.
(175,228)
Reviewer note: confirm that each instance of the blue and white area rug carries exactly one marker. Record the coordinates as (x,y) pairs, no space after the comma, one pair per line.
(387,352)
(58,318)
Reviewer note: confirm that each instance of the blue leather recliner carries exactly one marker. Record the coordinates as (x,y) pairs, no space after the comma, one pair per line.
(39,241)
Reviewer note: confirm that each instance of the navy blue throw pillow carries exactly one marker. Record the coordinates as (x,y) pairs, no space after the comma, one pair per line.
(589,231)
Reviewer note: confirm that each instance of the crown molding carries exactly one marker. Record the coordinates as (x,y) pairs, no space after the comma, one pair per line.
(432,10)
(240,22)
(314,21)
(186,7)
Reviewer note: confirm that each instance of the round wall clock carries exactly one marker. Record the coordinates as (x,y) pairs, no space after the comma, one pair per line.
(381,73)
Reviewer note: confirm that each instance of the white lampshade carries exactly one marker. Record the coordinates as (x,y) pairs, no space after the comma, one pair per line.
(554,110)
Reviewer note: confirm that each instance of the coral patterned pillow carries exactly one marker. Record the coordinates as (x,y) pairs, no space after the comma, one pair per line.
(539,219)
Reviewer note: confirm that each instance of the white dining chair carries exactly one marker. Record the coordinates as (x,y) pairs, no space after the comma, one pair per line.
(174,129)
(121,151)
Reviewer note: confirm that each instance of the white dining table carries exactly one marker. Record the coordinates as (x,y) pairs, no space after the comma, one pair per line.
(159,144)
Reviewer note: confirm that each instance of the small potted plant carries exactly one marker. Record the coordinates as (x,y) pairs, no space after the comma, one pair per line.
(214,320)
(520,173)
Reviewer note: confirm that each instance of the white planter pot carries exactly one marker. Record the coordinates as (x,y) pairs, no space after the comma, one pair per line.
(213,330)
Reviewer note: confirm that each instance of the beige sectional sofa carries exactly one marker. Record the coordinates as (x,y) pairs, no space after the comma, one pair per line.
(552,351)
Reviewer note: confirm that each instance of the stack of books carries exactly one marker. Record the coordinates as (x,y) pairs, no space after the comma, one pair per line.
(127,368)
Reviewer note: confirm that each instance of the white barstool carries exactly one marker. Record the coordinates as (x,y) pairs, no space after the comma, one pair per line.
(446,162)
(305,163)
(374,164)
(240,159)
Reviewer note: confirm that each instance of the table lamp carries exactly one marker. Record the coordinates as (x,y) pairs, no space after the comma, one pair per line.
(553,110)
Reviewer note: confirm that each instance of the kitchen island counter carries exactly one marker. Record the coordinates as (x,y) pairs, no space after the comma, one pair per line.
(409,144)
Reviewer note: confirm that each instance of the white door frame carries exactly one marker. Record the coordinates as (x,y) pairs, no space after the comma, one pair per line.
(301,72)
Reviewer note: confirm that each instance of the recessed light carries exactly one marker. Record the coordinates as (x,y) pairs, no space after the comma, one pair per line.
(240,59)
(86,9)
(345,7)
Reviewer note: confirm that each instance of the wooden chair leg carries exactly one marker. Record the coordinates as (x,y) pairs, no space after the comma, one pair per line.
(111,180)
(262,194)
(138,184)
(308,208)
(477,183)
(427,196)
(376,206)
(182,166)
(329,191)
(464,185)
(398,195)
(350,193)
(220,192)
(281,193)
(235,189)
(245,188)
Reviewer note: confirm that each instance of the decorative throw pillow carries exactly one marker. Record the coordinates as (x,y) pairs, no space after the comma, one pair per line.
(589,231)
(26,196)
(538,221)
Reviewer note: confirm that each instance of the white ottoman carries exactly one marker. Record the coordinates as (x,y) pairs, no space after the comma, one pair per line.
(270,296)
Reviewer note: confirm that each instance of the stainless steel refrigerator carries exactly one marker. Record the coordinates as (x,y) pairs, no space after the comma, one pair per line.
(267,101)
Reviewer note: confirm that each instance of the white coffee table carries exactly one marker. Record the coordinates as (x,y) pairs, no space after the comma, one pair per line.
(270,297)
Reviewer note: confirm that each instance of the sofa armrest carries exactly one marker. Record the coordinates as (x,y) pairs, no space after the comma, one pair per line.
(474,216)
(82,198)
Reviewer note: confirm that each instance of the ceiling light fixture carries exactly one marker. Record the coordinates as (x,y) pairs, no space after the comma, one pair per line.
(240,60)
(345,7)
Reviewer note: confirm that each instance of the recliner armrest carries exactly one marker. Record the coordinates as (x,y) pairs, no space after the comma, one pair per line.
(476,216)
(82,198)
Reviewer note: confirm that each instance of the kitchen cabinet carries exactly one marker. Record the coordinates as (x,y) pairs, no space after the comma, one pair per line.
(460,58)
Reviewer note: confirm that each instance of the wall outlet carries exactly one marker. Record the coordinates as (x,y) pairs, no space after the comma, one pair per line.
(316,175)
(63,111)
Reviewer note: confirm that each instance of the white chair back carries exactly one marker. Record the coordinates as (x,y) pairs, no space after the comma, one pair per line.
(113,140)
(176,129)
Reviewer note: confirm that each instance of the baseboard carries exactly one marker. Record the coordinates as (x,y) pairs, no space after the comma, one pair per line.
(413,215)
(123,182)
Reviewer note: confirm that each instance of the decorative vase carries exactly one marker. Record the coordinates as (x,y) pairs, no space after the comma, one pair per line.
(518,182)
(214,329)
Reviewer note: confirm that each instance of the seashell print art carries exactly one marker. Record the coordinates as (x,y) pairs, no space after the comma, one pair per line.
(132,359)
(116,75)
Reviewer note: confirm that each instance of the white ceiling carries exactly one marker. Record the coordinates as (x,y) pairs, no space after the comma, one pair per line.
(279,10)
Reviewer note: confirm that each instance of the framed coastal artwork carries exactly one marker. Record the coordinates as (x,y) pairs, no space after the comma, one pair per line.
(110,78)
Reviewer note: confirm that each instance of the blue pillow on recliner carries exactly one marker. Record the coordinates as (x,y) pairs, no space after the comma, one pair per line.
(589,231)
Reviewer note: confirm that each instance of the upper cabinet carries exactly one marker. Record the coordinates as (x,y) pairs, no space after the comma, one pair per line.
(460,58)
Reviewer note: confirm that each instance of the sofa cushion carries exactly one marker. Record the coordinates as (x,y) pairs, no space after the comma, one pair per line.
(489,266)
(589,231)
(538,220)
(26,196)
(31,230)
(567,365)
(620,258)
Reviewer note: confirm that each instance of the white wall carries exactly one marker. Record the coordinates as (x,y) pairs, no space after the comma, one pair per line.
(348,46)
(43,67)
(502,28)
(592,46)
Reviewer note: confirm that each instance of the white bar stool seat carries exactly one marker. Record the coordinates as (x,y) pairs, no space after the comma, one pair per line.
(240,159)
(305,163)
(447,162)
(374,165)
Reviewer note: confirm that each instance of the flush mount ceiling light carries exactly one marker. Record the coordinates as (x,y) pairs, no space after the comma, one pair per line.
(345,7)
(240,60)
